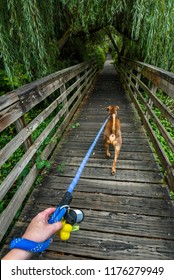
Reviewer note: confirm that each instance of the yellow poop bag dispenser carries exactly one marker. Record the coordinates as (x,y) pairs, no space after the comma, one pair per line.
(70,223)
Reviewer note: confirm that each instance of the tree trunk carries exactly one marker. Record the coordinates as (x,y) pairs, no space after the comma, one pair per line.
(62,42)
(113,41)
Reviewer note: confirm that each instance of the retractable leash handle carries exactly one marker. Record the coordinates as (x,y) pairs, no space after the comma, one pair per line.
(61,210)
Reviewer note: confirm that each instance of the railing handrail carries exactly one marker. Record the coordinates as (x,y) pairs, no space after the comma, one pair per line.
(166,78)
(35,90)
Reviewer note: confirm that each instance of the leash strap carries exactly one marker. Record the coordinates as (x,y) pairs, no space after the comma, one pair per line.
(83,163)
(29,245)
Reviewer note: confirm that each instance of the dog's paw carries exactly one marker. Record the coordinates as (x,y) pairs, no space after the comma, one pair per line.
(108,154)
(113,171)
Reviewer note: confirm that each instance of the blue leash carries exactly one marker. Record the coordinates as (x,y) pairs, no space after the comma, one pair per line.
(82,165)
(32,246)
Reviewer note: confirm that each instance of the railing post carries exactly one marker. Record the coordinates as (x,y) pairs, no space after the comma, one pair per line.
(137,84)
(150,102)
(19,125)
(65,101)
(130,77)
(78,86)
(170,176)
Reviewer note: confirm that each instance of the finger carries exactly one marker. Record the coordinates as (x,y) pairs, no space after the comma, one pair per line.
(47,212)
(55,227)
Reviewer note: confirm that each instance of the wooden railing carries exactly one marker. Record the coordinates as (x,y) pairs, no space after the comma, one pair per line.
(148,86)
(55,98)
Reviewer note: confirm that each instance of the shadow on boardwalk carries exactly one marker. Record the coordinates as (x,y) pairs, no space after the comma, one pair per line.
(127,216)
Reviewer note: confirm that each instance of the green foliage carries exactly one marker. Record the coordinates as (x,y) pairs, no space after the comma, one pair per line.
(100,56)
(41,163)
(93,48)
(24,40)
(91,14)
(60,168)
(30,48)
(30,31)
(151,28)
(172,195)
(74,125)
(97,54)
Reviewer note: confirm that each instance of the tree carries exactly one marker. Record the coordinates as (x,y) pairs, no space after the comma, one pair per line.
(151,29)
(35,35)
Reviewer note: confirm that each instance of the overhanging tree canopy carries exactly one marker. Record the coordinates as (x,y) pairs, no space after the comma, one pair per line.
(33,33)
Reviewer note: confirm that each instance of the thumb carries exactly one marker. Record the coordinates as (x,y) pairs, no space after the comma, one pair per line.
(55,227)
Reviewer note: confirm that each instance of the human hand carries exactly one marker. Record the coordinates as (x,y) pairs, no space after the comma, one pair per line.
(39,229)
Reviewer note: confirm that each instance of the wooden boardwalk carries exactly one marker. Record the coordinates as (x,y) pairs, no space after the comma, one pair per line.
(127,216)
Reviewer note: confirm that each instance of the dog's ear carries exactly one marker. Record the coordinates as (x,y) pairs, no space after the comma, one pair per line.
(108,108)
(117,108)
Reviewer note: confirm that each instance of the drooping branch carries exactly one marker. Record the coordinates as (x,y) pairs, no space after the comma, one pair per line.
(108,32)
(64,39)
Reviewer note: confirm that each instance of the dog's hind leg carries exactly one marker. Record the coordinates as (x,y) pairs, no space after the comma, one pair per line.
(106,145)
(117,152)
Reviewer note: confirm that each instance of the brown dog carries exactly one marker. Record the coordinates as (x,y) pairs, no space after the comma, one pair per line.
(112,135)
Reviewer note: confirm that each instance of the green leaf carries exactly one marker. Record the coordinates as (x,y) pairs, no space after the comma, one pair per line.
(40,164)
(47,164)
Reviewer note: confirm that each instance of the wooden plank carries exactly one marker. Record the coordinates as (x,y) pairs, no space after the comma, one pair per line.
(7,117)
(48,255)
(119,188)
(85,146)
(130,155)
(105,174)
(113,246)
(119,204)
(77,133)
(81,138)
(6,100)
(96,125)
(99,148)
(101,245)
(134,224)
(103,163)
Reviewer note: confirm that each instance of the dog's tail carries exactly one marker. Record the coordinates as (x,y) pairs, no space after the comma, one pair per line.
(112,139)
(113,123)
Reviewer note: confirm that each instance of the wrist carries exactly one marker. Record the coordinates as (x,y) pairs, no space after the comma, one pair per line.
(17,254)
(30,237)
